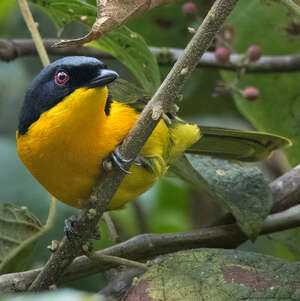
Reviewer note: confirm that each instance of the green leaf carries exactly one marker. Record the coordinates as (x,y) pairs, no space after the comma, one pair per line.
(127,46)
(218,275)
(19,230)
(269,25)
(57,295)
(62,12)
(6,10)
(131,49)
(243,190)
(290,239)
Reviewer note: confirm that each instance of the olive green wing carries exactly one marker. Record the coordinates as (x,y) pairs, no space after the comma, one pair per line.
(123,91)
(236,144)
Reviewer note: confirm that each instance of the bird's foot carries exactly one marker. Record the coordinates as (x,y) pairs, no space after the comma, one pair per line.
(72,232)
(120,160)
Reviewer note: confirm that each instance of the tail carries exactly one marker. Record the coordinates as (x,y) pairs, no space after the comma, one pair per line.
(237,145)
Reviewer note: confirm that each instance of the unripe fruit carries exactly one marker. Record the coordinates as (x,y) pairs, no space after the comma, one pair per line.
(189,9)
(254,53)
(222,55)
(250,93)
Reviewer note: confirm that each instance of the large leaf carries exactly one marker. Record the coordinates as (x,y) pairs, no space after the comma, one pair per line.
(127,46)
(218,275)
(243,190)
(19,230)
(269,25)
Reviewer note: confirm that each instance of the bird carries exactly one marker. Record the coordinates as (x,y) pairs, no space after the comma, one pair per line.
(70,122)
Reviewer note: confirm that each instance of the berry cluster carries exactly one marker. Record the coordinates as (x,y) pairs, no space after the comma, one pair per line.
(222,55)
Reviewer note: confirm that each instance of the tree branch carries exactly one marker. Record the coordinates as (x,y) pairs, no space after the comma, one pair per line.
(145,246)
(17,48)
(162,101)
(286,190)
(294,7)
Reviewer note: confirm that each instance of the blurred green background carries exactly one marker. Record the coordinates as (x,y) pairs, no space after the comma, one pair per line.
(170,205)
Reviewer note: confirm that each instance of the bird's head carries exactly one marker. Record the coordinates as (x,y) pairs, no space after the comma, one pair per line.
(59,80)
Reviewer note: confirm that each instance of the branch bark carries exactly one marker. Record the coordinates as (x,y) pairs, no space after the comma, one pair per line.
(145,246)
(294,7)
(17,48)
(161,102)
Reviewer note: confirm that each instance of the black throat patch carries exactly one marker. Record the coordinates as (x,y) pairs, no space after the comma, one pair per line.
(108,104)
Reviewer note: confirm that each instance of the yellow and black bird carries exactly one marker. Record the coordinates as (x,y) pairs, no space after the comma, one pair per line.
(69,123)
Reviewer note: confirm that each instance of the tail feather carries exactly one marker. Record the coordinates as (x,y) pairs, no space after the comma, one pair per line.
(237,145)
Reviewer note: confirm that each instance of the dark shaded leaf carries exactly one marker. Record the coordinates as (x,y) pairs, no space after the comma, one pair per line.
(19,230)
(243,190)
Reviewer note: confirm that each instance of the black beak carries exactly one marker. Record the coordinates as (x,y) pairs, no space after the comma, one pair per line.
(104,77)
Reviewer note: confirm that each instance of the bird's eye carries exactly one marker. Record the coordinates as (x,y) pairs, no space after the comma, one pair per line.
(61,77)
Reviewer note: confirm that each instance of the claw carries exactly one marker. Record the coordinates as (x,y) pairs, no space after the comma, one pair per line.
(138,162)
(119,160)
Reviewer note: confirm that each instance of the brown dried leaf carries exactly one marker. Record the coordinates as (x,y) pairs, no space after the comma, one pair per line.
(112,14)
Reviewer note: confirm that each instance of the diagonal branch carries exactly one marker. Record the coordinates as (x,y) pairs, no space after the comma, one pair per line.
(163,99)
(17,48)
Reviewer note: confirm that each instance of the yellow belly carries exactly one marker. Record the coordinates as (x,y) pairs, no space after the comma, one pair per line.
(64,149)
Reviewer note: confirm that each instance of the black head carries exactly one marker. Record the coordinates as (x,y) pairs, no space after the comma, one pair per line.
(59,80)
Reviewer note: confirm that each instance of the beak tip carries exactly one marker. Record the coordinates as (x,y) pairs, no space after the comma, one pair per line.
(105,77)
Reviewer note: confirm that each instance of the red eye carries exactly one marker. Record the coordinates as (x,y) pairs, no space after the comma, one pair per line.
(61,77)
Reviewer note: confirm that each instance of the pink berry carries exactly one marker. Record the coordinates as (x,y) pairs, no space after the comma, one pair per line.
(222,55)
(189,9)
(250,93)
(254,53)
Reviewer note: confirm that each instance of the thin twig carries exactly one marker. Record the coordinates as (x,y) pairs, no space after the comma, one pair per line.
(162,100)
(102,258)
(114,236)
(18,48)
(33,28)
